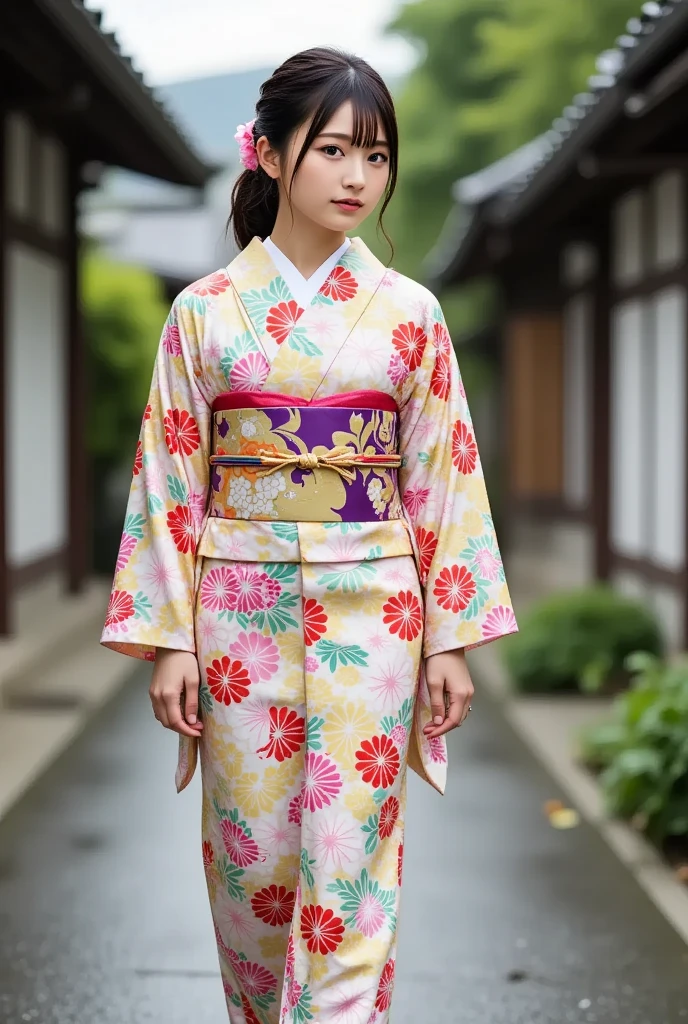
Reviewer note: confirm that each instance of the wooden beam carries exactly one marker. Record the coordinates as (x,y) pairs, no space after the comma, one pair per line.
(75,358)
(591,166)
(5,618)
(601,390)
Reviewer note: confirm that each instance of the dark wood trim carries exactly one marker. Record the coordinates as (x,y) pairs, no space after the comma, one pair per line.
(75,361)
(544,509)
(33,236)
(35,571)
(600,459)
(5,618)
(591,166)
(650,571)
(685,406)
(650,283)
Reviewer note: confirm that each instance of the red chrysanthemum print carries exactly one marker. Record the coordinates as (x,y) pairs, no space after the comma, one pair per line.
(228,681)
(208,854)
(389,812)
(384,991)
(415,499)
(274,904)
(181,432)
(322,781)
(252,591)
(281,320)
(249,1013)
(464,449)
(440,338)
(400,862)
(378,761)
(287,734)
(242,848)
(403,615)
(255,979)
(138,459)
(181,527)
(321,929)
(171,339)
(441,376)
(314,621)
(213,284)
(295,807)
(454,588)
(147,413)
(120,608)
(427,545)
(409,341)
(340,285)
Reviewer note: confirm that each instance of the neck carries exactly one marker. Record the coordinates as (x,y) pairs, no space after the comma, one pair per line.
(305,243)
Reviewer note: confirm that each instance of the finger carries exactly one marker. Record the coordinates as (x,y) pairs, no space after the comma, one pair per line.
(190,701)
(175,720)
(437,709)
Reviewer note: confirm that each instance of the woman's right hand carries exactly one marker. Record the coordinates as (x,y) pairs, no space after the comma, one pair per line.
(174,687)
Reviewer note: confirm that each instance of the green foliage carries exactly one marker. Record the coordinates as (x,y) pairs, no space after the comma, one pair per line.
(124,312)
(491,74)
(579,639)
(643,748)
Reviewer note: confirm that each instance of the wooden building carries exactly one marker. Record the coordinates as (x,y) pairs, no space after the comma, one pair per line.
(70,102)
(586,232)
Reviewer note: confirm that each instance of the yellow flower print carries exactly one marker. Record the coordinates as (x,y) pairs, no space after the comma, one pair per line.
(291,647)
(299,374)
(256,792)
(357,800)
(171,614)
(468,632)
(286,871)
(472,523)
(321,691)
(273,947)
(224,755)
(346,725)
(317,965)
(357,951)
(290,690)
(503,596)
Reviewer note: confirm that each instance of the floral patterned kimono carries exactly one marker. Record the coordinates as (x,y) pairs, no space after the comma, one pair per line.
(308,516)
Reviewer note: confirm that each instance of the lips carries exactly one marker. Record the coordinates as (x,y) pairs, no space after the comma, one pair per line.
(348,204)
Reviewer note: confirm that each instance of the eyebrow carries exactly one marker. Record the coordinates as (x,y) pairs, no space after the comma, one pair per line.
(347,138)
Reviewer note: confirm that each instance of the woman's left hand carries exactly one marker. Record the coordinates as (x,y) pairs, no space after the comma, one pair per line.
(451,689)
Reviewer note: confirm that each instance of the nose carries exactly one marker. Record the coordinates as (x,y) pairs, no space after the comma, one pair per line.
(354,172)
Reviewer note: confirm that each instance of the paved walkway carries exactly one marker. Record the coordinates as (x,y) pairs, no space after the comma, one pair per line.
(104,916)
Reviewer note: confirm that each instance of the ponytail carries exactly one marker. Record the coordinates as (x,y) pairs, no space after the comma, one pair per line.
(255,199)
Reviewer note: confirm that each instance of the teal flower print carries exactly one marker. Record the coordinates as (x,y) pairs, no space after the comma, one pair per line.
(368,905)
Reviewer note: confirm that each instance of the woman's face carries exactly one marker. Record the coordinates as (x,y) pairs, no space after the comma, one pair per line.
(332,170)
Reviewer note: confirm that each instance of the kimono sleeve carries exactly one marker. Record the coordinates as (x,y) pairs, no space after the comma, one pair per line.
(467,601)
(152,598)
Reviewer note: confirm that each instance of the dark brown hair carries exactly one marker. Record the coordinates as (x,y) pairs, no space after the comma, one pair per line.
(313,82)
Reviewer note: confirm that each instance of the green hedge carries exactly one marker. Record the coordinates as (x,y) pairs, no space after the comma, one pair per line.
(643,749)
(577,640)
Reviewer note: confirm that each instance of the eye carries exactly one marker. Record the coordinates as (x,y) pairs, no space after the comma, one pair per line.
(383,155)
(331,146)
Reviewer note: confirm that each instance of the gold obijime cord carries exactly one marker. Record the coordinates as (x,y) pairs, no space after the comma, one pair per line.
(341,459)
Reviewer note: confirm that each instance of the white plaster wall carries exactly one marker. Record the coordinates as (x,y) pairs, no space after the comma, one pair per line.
(578,314)
(36,387)
(665,473)
(628,245)
(53,194)
(630,415)
(668,220)
(18,140)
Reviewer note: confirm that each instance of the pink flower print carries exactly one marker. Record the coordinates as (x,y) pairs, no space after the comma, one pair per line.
(294,993)
(390,277)
(438,753)
(370,915)
(397,371)
(258,654)
(249,372)
(398,734)
(125,549)
(311,664)
(488,565)
(498,622)
(171,340)
(415,499)
(218,590)
(242,849)
(229,991)
(255,979)
(197,503)
(295,805)
(322,782)
(252,590)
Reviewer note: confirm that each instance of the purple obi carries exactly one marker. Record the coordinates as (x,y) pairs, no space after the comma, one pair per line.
(278,457)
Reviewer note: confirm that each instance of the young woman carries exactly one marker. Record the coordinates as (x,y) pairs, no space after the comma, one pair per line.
(308,553)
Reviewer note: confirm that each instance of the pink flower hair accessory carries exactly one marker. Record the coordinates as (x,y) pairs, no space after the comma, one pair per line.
(247,147)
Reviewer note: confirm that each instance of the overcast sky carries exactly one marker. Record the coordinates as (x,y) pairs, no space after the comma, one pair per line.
(171,40)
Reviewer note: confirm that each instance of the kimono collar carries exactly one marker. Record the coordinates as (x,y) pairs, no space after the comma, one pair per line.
(291,335)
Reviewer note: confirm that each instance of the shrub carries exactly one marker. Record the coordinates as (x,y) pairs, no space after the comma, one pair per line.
(643,749)
(578,640)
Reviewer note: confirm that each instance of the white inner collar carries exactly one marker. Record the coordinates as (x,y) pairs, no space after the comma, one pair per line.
(304,289)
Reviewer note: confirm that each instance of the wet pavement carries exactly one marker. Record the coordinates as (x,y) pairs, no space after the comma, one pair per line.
(504,920)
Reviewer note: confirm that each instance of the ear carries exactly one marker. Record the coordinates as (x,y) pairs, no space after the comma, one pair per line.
(268,158)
